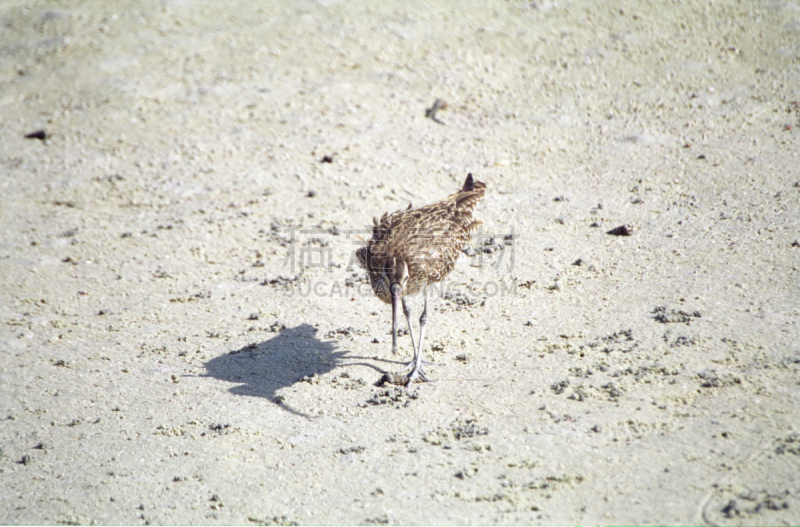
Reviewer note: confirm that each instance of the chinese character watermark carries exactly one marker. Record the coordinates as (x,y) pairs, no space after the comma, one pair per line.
(313,249)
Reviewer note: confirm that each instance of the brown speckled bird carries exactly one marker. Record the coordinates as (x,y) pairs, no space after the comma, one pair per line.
(412,248)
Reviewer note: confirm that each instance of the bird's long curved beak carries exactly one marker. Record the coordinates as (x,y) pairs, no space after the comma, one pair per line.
(395,291)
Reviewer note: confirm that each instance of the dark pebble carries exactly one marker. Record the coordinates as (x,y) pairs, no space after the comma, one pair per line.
(622,230)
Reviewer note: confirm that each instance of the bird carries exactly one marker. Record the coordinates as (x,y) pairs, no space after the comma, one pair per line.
(413,248)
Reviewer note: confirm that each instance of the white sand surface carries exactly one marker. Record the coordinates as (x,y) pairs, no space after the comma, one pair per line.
(172,353)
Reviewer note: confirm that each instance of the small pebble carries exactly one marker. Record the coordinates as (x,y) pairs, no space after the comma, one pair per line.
(622,230)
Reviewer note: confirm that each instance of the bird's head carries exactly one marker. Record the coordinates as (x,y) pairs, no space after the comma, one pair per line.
(395,273)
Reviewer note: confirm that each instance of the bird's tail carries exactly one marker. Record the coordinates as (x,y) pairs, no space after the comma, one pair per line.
(470,194)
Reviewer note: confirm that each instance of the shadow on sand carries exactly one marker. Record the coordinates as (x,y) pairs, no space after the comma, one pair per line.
(260,370)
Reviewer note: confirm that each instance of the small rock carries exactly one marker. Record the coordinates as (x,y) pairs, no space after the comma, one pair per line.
(622,230)
(731,509)
(559,387)
(41,135)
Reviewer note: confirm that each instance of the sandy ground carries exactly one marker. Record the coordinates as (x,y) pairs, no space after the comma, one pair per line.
(185,339)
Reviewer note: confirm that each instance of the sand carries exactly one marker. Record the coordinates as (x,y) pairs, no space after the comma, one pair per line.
(184,338)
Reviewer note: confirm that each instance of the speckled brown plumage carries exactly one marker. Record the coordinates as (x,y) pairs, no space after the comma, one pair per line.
(412,248)
(429,239)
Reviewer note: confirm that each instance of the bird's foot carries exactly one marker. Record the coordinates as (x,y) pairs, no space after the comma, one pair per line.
(417,373)
(410,366)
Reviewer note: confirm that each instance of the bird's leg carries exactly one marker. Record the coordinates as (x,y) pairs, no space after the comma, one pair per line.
(395,308)
(423,321)
(407,313)
(416,366)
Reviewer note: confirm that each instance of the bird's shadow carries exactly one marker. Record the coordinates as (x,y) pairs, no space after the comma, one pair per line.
(261,369)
